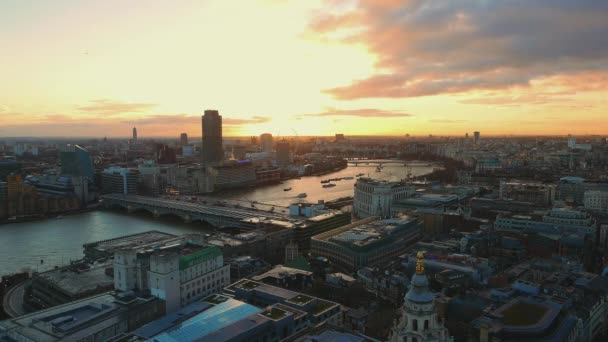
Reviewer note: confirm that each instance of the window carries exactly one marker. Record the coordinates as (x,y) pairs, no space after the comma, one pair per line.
(426,324)
(415,325)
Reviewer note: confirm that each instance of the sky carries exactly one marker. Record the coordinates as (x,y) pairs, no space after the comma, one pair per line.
(309,67)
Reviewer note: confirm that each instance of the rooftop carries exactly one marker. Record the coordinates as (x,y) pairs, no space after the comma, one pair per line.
(209,321)
(365,232)
(280,272)
(130,241)
(77,281)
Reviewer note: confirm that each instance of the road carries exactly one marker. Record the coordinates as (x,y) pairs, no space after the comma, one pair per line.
(13,300)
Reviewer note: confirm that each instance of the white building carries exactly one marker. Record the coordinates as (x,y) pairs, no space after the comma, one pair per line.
(118,180)
(179,274)
(376,197)
(419,321)
(596,200)
(181,279)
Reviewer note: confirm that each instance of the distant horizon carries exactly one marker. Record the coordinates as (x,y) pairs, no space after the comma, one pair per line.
(347,136)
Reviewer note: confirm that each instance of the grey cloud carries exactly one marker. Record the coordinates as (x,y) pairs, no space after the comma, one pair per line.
(439,46)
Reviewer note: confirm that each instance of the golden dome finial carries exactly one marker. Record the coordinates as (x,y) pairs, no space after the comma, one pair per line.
(419,263)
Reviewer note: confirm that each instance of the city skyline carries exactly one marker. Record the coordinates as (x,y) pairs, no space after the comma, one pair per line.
(308,68)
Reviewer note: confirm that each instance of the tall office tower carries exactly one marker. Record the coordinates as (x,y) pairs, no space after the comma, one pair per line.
(266,142)
(134,134)
(571,141)
(283,156)
(213,151)
(183,139)
(476,137)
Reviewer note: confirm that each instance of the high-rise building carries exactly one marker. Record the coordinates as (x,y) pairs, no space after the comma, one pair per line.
(571,142)
(340,137)
(266,142)
(419,321)
(134,134)
(476,137)
(283,156)
(183,139)
(213,152)
(76,161)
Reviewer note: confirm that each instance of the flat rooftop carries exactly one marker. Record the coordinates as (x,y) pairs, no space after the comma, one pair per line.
(130,241)
(367,233)
(77,282)
(65,320)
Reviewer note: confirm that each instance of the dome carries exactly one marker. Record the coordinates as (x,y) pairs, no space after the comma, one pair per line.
(419,293)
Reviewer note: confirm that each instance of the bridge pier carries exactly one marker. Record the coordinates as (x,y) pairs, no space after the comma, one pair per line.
(156,213)
(187,219)
(131,209)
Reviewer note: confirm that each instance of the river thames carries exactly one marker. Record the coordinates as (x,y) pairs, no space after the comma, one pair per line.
(57,241)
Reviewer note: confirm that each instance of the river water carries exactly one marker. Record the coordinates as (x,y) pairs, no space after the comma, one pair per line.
(57,241)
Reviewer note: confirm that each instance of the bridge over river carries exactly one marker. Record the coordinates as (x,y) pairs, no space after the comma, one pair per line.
(219,216)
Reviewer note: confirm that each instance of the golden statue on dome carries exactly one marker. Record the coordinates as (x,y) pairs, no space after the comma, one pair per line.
(419,263)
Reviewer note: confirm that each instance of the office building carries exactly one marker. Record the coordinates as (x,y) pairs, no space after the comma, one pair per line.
(134,135)
(571,142)
(419,320)
(368,242)
(183,139)
(165,154)
(340,137)
(213,151)
(537,193)
(68,284)
(179,272)
(118,180)
(376,197)
(314,310)
(187,150)
(283,154)
(266,142)
(98,318)
(596,201)
(234,174)
(476,137)
(76,161)
(221,318)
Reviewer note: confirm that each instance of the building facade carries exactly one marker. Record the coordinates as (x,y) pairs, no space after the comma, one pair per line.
(118,180)
(266,142)
(213,150)
(183,277)
(376,197)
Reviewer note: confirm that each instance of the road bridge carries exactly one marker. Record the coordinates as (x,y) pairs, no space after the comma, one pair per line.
(216,215)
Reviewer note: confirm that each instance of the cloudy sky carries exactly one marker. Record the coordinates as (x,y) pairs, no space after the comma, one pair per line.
(311,67)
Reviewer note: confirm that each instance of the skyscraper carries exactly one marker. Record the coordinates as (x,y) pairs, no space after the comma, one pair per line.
(283,156)
(213,151)
(134,134)
(476,136)
(266,142)
(183,139)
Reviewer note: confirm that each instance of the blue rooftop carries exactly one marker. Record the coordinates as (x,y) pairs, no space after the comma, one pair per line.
(154,328)
(209,321)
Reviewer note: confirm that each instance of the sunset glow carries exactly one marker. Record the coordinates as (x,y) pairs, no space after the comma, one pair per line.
(85,68)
